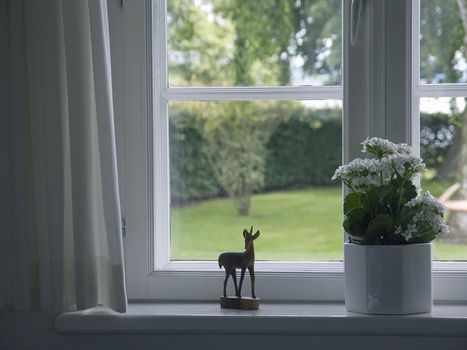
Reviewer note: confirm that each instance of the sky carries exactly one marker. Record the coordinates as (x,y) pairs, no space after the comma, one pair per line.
(427,104)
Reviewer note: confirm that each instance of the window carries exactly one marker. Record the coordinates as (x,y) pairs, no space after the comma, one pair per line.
(173,84)
(440,93)
(262,156)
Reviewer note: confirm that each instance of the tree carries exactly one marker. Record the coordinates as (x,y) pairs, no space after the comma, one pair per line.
(235,138)
(245,43)
(441,41)
(318,38)
(197,47)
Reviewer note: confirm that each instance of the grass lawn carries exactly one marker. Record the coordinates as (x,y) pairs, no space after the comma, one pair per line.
(301,224)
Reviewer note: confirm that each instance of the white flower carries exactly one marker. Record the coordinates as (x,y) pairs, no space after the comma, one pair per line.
(429,214)
(407,233)
(428,202)
(380,147)
(364,181)
(359,173)
(406,165)
(403,148)
(414,202)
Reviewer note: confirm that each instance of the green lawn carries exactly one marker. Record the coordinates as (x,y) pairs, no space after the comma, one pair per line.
(295,225)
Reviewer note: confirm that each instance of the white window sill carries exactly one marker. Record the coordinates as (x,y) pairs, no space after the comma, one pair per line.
(272,318)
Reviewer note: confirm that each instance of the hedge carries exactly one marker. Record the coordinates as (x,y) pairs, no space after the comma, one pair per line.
(304,149)
(191,177)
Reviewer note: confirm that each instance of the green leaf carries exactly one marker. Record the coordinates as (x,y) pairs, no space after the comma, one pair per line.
(410,191)
(408,188)
(357,221)
(405,216)
(376,199)
(356,239)
(352,201)
(346,225)
(380,226)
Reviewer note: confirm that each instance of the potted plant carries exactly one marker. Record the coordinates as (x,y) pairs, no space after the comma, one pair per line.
(390,226)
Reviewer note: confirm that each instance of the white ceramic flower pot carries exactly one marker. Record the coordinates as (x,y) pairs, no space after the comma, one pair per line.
(388,279)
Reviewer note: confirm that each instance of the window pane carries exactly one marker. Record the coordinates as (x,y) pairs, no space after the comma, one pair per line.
(246,43)
(263,163)
(444,149)
(442,42)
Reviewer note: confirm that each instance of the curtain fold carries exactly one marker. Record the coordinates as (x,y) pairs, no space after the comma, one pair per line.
(65,232)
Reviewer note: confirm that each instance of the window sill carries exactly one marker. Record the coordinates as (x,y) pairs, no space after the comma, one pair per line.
(272,318)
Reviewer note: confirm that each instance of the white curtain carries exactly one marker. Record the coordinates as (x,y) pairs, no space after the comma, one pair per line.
(61,244)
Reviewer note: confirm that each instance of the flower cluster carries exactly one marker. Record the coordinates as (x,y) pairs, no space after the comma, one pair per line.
(405,165)
(379,148)
(428,202)
(428,216)
(388,161)
(383,206)
(359,174)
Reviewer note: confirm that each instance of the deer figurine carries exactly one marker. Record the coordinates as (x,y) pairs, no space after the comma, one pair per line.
(243,261)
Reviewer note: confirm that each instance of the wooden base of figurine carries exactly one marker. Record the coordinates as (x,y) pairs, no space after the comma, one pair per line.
(243,303)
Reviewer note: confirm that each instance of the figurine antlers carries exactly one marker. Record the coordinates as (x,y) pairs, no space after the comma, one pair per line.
(243,261)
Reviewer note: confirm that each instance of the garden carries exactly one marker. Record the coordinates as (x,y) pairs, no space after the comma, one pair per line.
(296,205)
(269,163)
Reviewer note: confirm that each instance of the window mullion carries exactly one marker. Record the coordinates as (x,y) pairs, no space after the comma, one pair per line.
(254,93)
(158,170)
(398,70)
(415,79)
(441,90)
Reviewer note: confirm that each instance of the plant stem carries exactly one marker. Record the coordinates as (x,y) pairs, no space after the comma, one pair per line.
(400,198)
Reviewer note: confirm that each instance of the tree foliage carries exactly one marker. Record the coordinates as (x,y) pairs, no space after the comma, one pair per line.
(442,41)
(244,43)
(235,135)
(285,42)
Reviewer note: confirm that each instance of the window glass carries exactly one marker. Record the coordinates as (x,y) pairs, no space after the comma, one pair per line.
(444,149)
(442,42)
(269,164)
(248,43)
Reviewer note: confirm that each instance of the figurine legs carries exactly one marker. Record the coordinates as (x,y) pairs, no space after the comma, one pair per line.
(234,278)
(251,270)
(239,294)
(226,279)
(227,273)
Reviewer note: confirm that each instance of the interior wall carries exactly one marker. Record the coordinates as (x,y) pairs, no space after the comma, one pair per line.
(5,149)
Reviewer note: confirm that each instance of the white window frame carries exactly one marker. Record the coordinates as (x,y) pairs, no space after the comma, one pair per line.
(266,272)
(163,94)
(146,138)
